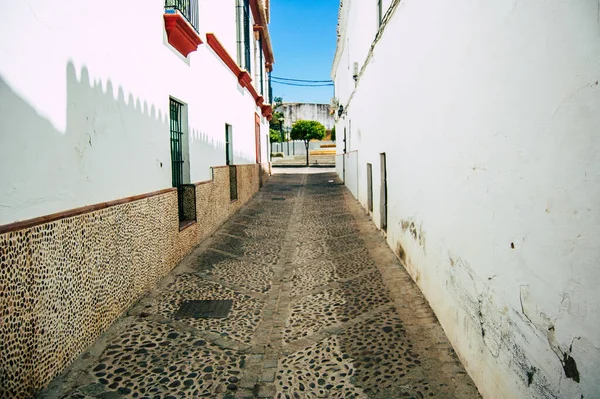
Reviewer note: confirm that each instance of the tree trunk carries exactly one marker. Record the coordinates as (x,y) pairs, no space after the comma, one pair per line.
(306,143)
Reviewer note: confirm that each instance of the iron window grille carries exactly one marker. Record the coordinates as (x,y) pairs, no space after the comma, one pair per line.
(187,8)
(175,108)
(247,32)
(243,34)
(260,51)
(228,145)
(240,32)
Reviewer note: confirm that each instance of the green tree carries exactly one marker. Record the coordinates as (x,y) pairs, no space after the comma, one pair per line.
(277,124)
(307,131)
(275,136)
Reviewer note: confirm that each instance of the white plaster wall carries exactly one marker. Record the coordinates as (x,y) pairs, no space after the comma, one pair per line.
(489,114)
(293,112)
(84,97)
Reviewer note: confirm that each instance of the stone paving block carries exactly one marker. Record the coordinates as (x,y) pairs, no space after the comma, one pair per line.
(266,391)
(244,394)
(270,362)
(268,375)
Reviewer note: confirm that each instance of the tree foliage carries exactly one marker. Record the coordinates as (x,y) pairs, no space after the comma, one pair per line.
(307,131)
(276,121)
(275,136)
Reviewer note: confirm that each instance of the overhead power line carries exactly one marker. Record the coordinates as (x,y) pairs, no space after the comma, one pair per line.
(303,85)
(302,80)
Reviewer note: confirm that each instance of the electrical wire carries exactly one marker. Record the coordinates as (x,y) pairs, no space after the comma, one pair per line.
(302,80)
(302,85)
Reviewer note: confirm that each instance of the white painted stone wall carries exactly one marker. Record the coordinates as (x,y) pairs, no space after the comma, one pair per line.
(84,102)
(489,114)
(293,112)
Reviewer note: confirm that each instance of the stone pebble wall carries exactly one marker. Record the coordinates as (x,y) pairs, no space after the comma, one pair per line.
(63,283)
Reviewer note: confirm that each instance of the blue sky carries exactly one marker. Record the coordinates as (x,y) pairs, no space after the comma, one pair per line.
(303,33)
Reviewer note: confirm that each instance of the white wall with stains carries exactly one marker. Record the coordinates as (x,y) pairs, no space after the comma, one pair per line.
(84,102)
(293,112)
(489,113)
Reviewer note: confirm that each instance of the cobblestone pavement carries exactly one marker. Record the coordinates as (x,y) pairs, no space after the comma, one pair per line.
(320,309)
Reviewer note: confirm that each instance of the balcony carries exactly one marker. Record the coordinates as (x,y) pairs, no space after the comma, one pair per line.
(181,24)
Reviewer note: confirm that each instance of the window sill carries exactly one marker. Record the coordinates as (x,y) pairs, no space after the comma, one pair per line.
(184,224)
(181,34)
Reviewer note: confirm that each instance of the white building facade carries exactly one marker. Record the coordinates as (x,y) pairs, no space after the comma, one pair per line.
(86,93)
(469,130)
(128,133)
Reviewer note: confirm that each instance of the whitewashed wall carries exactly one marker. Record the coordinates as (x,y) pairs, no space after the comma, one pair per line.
(293,112)
(489,113)
(84,97)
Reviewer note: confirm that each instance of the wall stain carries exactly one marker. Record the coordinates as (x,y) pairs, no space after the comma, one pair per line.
(501,327)
(413,231)
(405,225)
(417,234)
(401,253)
(543,323)
(530,375)
(570,367)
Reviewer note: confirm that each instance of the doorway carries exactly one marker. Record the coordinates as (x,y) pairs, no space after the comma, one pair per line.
(384,192)
(370,187)
(344,159)
(258,149)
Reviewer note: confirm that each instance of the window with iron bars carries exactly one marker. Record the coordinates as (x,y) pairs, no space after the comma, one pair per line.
(243,34)
(187,8)
(228,144)
(176,142)
(186,193)
(262,71)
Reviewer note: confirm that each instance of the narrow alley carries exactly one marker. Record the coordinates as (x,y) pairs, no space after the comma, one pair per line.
(296,296)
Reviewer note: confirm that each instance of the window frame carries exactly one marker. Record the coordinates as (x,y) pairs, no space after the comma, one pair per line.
(228,144)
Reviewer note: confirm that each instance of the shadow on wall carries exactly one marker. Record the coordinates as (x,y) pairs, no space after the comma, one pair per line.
(212,153)
(111,148)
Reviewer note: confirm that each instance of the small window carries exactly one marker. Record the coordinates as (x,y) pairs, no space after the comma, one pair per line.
(228,145)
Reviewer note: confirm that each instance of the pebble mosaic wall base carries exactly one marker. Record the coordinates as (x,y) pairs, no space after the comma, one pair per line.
(64,282)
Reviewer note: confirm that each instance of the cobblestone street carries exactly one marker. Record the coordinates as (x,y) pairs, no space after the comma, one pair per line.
(320,308)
